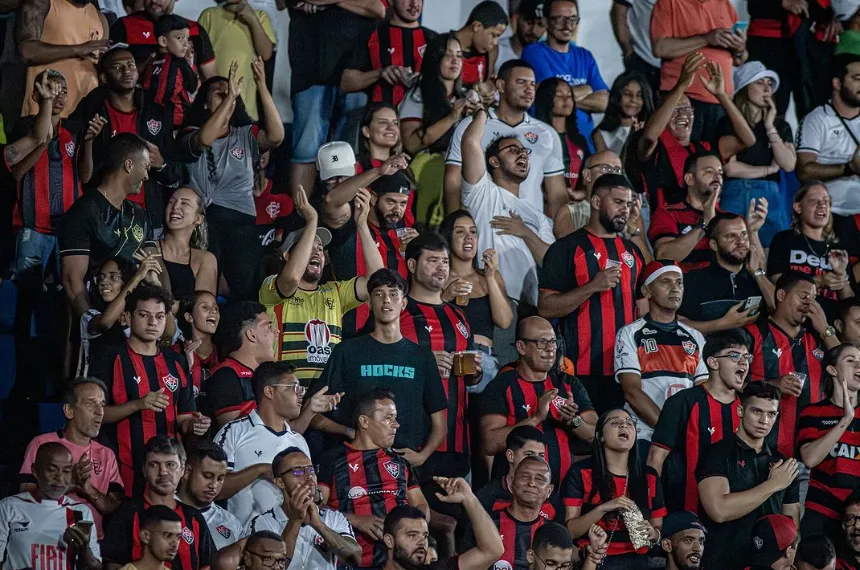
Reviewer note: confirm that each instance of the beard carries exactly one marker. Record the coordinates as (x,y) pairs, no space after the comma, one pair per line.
(733,259)
(685,564)
(388,222)
(402,558)
(849,97)
(612,225)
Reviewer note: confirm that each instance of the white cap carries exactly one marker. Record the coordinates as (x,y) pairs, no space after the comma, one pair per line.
(752,71)
(335,159)
(844,9)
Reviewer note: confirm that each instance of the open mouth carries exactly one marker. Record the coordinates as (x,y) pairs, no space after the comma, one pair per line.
(468,247)
(176,217)
(623,436)
(694,558)
(212,321)
(522,163)
(315,261)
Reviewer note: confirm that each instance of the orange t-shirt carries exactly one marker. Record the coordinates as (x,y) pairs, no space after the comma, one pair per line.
(686,18)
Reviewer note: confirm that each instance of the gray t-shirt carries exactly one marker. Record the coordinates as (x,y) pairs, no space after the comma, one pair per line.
(224,174)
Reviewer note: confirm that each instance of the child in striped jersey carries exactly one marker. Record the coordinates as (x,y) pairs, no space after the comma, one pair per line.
(169,78)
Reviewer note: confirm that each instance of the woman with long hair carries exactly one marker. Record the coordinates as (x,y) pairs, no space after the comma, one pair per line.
(812,235)
(481,294)
(429,113)
(631,103)
(612,489)
(753,173)
(198,320)
(827,438)
(222,146)
(188,265)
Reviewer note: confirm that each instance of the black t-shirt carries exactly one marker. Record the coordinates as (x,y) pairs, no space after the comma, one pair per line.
(792,251)
(761,153)
(710,292)
(94,227)
(407,369)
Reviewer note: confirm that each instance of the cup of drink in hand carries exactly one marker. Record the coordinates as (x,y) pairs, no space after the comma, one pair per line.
(401,233)
(465,363)
(800,376)
(463,300)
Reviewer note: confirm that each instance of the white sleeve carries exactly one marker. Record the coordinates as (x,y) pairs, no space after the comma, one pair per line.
(411,108)
(626,355)
(94,539)
(812,133)
(474,195)
(225,439)
(4,529)
(554,164)
(545,231)
(701,368)
(454,155)
(340,525)
(262,522)
(86,319)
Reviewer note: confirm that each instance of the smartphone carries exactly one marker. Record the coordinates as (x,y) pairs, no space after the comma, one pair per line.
(740,27)
(753,303)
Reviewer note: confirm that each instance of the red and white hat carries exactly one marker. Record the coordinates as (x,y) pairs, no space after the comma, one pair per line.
(657,268)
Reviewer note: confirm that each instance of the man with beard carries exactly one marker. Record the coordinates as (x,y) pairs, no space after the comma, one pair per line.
(683,541)
(848,546)
(105,224)
(506,221)
(160,533)
(120,106)
(788,348)
(43,528)
(657,356)
(405,533)
(589,279)
(309,316)
(824,152)
(163,466)
(695,419)
(734,288)
(531,487)
(527,27)
(742,479)
(95,475)
(516,85)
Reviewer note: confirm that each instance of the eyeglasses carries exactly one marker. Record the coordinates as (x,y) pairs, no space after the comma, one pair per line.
(300,471)
(608,169)
(277,562)
(297,387)
(683,111)
(542,344)
(619,423)
(572,20)
(736,357)
(851,520)
(518,150)
(552,564)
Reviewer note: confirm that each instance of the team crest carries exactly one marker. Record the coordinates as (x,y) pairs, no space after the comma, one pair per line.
(171,382)
(392,468)
(558,402)
(153,126)
(627,258)
(531,137)
(463,330)
(818,353)
(70,149)
(422,49)
(137,233)
(187,535)
(758,543)
(237,152)
(689,347)
(224,531)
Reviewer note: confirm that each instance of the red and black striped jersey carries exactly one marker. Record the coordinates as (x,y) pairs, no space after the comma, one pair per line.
(845,564)
(516,535)
(201,368)
(138,31)
(574,151)
(170,82)
(476,68)
(496,495)
(228,389)
(776,354)
(122,545)
(443,327)
(515,398)
(580,489)
(589,331)
(367,482)
(49,188)
(677,220)
(130,376)
(832,480)
(690,422)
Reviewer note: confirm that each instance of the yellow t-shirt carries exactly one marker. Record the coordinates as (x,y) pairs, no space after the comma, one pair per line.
(231,41)
(309,322)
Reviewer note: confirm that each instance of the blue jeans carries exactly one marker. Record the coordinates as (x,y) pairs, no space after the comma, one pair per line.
(34,251)
(736,197)
(315,110)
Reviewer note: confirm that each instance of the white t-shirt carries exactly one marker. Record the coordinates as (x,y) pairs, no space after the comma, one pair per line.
(545,160)
(487,199)
(506,52)
(311,550)
(248,441)
(224,528)
(31,531)
(412,106)
(823,133)
(639,22)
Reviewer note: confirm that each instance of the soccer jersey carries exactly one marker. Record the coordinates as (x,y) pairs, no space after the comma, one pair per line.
(580,489)
(366,482)
(122,537)
(589,331)
(838,474)
(228,390)
(105,478)
(690,422)
(202,368)
(776,354)
(248,441)
(516,399)
(170,82)
(224,528)
(311,550)
(309,322)
(495,495)
(666,356)
(676,220)
(516,536)
(31,531)
(130,376)
(476,68)
(138,32)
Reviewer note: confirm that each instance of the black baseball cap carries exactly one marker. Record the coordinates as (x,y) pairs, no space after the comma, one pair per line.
(531,9)
(679,521)
(396,183)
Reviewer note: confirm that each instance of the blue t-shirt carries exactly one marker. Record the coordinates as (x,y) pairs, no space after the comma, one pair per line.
(577,67)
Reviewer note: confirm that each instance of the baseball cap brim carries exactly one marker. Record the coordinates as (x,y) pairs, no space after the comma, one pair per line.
(293,238)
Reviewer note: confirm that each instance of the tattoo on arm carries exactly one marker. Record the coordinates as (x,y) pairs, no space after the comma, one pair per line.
(11,154)
(31,19)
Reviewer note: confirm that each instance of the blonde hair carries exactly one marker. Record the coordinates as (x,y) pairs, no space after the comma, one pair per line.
(829,234)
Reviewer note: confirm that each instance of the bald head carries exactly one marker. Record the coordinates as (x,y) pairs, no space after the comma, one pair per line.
(598,164)
(534,327)
(53,469)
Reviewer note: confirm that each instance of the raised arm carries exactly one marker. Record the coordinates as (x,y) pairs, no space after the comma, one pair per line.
(219,121)
(291,275)
(272,133)
(620,27)
(336,209)
(815,452)
(474,165)
(488,543)
(373,261)
(416,136)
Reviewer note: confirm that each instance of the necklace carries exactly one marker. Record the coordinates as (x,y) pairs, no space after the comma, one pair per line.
(617,520)
(812,249)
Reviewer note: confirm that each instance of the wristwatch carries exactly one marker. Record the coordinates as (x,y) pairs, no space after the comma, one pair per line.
(828,332)
(575,421)
(759,273)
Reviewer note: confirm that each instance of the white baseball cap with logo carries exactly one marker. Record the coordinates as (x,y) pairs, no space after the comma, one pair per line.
(844,9)
(335,159)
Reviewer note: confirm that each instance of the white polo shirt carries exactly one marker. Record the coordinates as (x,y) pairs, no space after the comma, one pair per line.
(311,550)
(224,528)
(545,160)
(487,199)
(248,441)
(823,133)
(31,531)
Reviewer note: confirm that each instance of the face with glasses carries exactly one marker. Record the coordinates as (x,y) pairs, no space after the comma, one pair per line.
(381,424)
(296,471)
(758,416)
(562,21)
(732,365)
(86,416)
(851,525)
(537,345)
(265,554)
(512,160)
(387,302)
(286,396)
(598,164)
(162,539)
(813,209)
(546,557)
(681,121)
(110,281)
(619,431)
(795,303)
